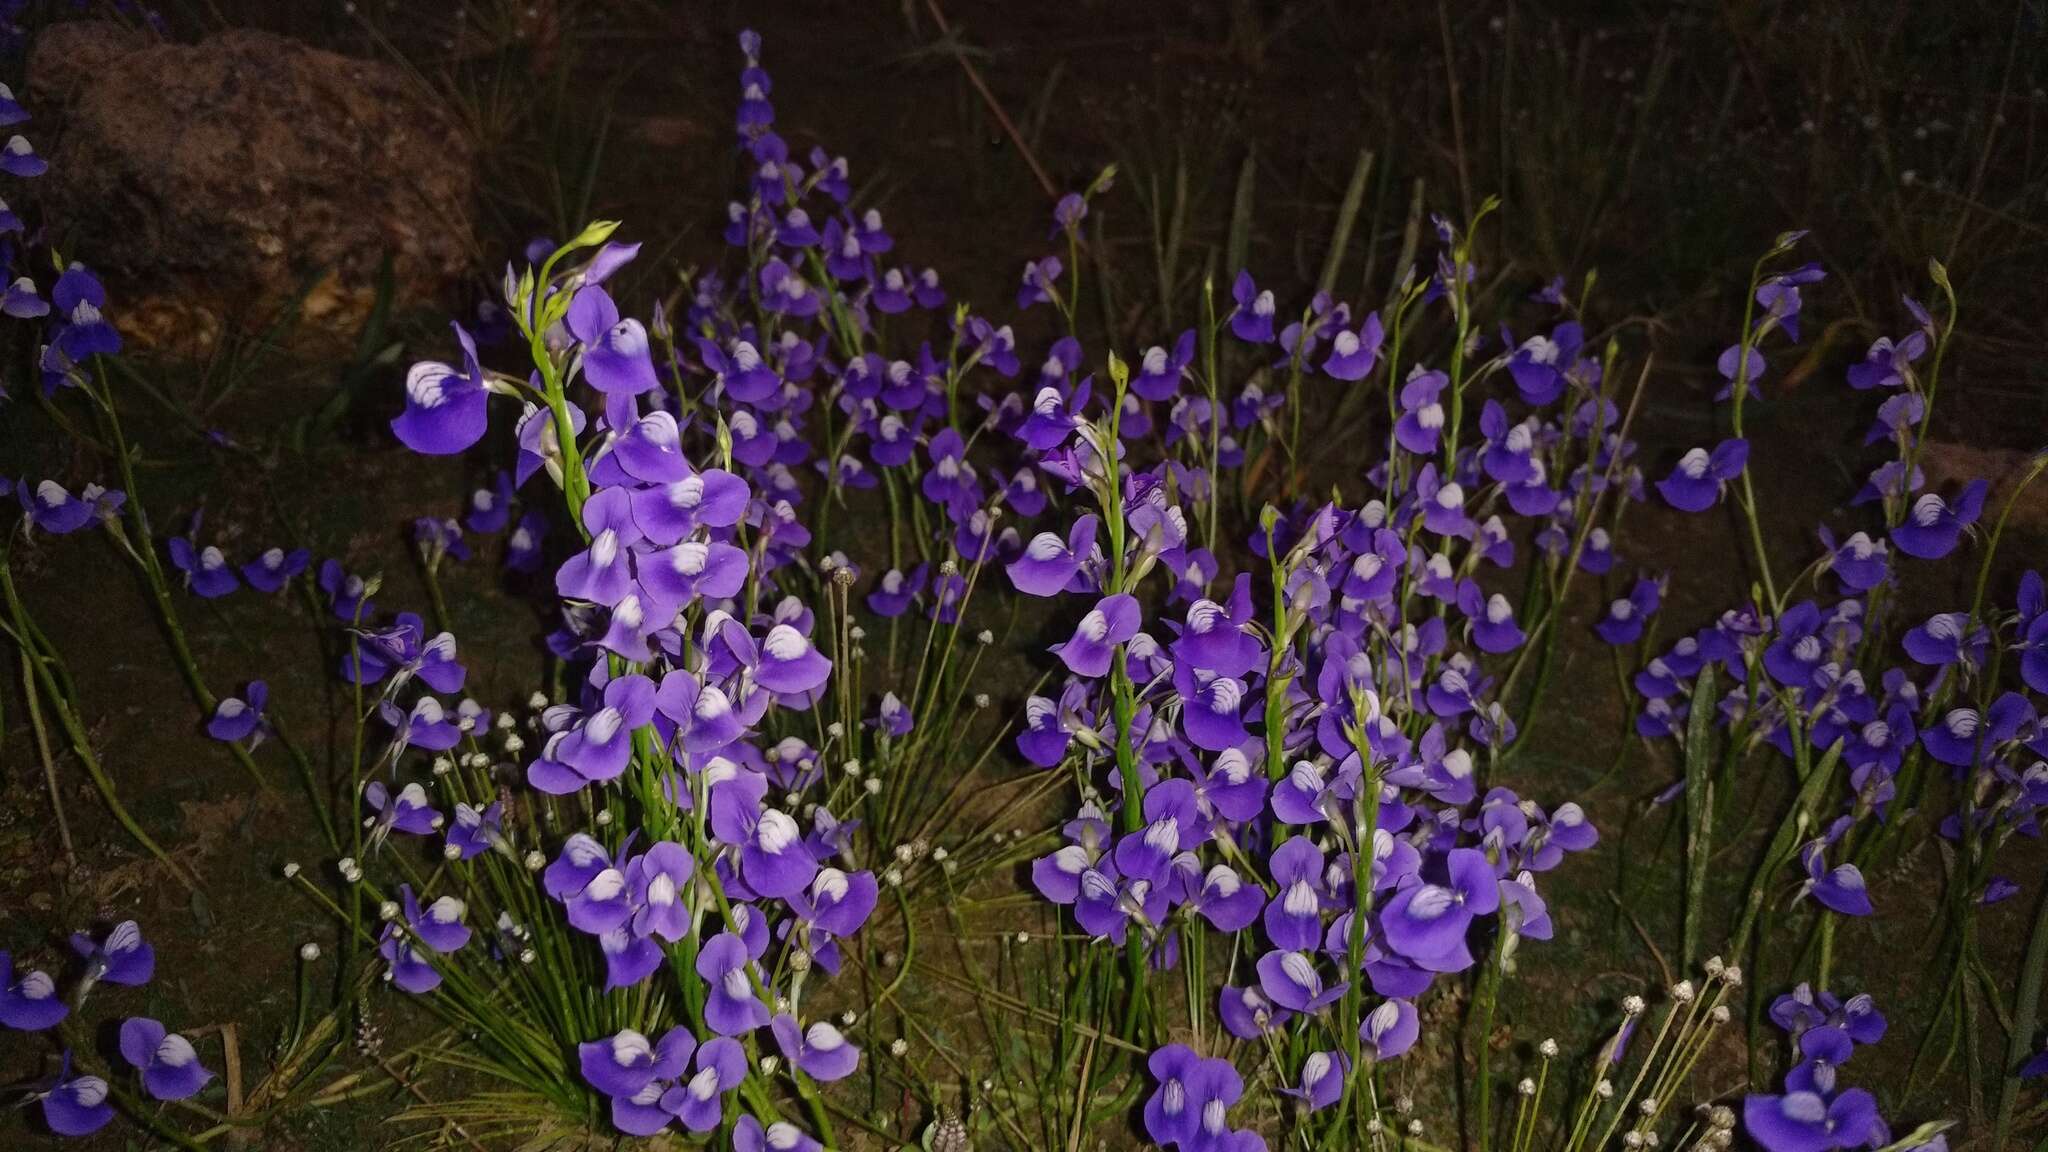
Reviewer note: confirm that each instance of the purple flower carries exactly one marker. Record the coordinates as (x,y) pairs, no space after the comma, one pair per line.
(19,158)
(1493,620)
(821,1050)
(1623,623)
(623,1064)
(207,572)
(346,594)
(170,1067)
(1049,564)
(1932,526)
(439,925)
(1189,1108)
(616,356)
(1422,416)
(1322,1080)
(1293,918)
(407,812)
(1389,1029)
(238,718)
(52,508)
(1840,888)
(1426,922)
(1354,354)
(781,1136)
(122,957)
(1695,484)
(1859,563)
(269,571)
(29,1004)
(75,1105)
(1252,319)
(699,1102)
(731,1007)
(1947,638)
(1290,979)
(1112,621)
(407,968)
(445,407)
(1809,1122)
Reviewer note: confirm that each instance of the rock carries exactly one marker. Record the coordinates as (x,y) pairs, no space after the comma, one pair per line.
(213,183)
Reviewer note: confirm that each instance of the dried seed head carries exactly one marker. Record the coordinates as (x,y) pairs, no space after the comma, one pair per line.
(1548,1048)
(1526,1086)
(1632,1005)
(388,910)
(1415,1127)
(1604,1089)
(1732,976)
(291,870)
(535,861)
(309,951)
(1632,1139)
(898,1047)
(1720,1014)
(1715,967)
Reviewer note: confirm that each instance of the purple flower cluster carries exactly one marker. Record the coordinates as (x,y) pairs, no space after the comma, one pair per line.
(1814,1113)
(166,1064)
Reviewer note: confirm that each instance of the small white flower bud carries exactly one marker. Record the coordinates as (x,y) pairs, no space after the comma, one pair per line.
(388,910)
(1548,1048)
(902,854)
(1650,1138)
(1023,937)
(443,765)
(1720,1014)
(1526,1086)
(1715,967)
(835,730)
(1682,992)
(1647,1105)
(514,744)
(857,633)
(291,870)
(769,1064)
(1632,1139)
(799,961)
(851,768)
(604,818)
(847,1018)
(873,785)
(1632,1005)
(451,851)
(981,700)
(527,956)
(504,722)
(535,861)
(537,701)
(1604,1089)
(985,636)
(309,951)
(898,1047)
(1732,977)
(893,877)
(939,853)
(1415,1127)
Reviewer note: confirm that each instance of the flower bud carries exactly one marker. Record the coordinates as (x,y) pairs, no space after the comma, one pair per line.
(309,951)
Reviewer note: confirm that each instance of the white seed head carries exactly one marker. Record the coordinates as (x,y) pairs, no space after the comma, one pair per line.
(873,786)
(1604,1089)
(769,1064)
(1548,1048)
(309,951)
(514,744)
(291,870)
(537,701)
(1720,1013)
(898,1047)
(1526,1086)
(1632,1005)
(535,861)
(388,910)
(893,877)
(527,956)
(604,818)
(451,851)
(1682,992)
(1732,976)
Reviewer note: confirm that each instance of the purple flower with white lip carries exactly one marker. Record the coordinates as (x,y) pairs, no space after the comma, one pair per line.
(1211,709)
(1422,416)
(346,594)
(1492,619)
(781,1136)
(1252,319)
(1322,1080)
(207,572)
(821,1050)
(600,573)
(407,968)
(1037,283)
(169,1065)
(1218,639)
(1426,922)
(1293,917)
(425,725)
(269,571)
(19,158)
(1159,372)
(789,664)
(240,718)
(1623,623)
(474,831)
(1049,564)
(1290,979)
(1389,1029)
(598,748)
(1859,562)
(1840,888)
(407,811)
(703,713)
(773,858)
(893,593)
(1887,363)
(74,1105)
(1353,355)
(29,1004)
(53,509)
(668,512)
(438,925)
(1177,1112)
(1247,1014)
(699,1102)
(623,1064)
(1810,1122)
(122,957)
(1932,526)
(616,355)
(1947,638)
(1113,620)
(446,408)
(1695,483)
(657,880)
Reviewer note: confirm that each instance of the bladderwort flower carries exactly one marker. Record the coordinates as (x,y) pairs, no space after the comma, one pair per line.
(73,1105)
(168,1063)
(29,1003)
